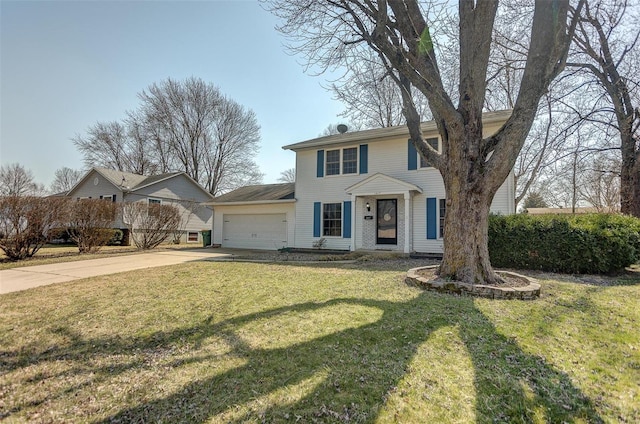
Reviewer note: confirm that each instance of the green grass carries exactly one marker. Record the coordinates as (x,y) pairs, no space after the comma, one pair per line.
(238,342)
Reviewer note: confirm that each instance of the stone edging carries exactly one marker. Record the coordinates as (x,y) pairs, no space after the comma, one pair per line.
(530,292)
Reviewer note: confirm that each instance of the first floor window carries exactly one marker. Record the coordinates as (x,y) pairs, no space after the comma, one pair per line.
(155,201)
(433,142)
(332,219)
(443,210)
(192,236)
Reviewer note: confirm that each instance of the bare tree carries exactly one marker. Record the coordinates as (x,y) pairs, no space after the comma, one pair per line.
(600,184)
(606,46)
(180,126)
(400,34)
(211,137)
(288,176)
(16,180)
(370,95)
(332,129)
(64,179)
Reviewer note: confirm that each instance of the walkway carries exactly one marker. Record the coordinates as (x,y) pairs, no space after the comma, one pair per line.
(17,279)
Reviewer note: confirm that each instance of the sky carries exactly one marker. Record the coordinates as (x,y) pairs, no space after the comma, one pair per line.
(65,65)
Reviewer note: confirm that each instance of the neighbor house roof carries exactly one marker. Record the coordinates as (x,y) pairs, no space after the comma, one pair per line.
(128,181)
(263,193)
(383,133)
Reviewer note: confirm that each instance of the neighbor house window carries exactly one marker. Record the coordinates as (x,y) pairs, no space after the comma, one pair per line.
(433,142)
(155,201)
(332,219)
(109,198)
(192,236)
(350,160)
(443,210)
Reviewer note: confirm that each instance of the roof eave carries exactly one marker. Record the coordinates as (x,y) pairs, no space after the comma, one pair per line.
(249,202)
(384,133)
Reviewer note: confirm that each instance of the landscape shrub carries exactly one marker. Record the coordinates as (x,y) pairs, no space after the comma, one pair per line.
(592,243)
(27,223)
(89,221)
(150,224)
(117,237)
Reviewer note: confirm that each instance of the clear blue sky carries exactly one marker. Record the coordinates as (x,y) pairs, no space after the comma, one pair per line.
(68,64)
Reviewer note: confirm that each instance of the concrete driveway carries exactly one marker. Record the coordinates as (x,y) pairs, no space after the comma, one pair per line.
(18,279)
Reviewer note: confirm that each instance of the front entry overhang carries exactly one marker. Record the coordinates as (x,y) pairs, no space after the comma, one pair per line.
(383,185)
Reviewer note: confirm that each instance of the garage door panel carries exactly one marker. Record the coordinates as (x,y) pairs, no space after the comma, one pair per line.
(255,231)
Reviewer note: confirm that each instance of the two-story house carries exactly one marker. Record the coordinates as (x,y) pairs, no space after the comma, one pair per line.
(174,188)
(364,190)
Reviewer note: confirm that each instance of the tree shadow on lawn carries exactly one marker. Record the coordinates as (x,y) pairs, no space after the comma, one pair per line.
(348,375)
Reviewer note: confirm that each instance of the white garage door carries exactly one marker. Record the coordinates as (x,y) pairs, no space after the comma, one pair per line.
(255,231)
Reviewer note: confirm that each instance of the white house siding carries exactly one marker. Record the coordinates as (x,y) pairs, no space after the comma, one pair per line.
(388,157)
(252,209)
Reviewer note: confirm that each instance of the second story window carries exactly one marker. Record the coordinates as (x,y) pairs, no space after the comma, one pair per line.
(333,162)
(350,161)
(345,160)
(433,142)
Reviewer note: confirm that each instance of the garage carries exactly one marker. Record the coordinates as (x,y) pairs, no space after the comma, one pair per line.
(255,231)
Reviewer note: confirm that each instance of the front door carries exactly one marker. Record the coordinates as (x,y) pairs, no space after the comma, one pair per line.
(387,224)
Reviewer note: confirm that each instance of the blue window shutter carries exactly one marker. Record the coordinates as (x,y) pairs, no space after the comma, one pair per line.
(412,156)
(317,214)
(346,220)
(320,164)
(364,158)
(432,218)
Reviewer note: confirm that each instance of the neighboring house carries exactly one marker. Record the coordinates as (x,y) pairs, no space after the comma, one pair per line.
(564,211)
(364,190)
(174,188)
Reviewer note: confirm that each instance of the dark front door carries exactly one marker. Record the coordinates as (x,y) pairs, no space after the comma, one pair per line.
(387,227)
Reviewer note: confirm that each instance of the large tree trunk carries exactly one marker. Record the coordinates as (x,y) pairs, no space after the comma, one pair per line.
(629,175)
(466,252)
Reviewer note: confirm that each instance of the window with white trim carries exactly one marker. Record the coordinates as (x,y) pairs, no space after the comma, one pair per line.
(153,201)
(332,219)
(442,210)
(192,236)
(433,142)
(341,161)
(350,160)
(108,197)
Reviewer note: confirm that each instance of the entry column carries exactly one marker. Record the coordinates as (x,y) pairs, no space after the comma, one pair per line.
(407,223)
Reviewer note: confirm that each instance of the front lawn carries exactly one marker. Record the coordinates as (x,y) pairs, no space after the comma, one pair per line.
(238,342)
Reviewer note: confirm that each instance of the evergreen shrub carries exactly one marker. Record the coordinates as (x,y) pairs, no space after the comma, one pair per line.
(581,244)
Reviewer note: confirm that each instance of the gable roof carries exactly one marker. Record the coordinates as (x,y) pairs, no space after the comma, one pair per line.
(263,193)
(381,184)
(384,133)
(129,182)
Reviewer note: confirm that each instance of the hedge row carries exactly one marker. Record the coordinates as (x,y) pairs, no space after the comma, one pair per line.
(585,244)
